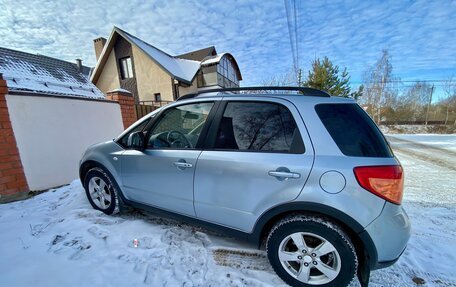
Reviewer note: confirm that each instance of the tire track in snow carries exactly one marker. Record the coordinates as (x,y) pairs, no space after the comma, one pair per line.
(241,259)
(439,156)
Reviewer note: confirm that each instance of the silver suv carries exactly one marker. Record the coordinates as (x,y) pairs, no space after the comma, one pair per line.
(306,175)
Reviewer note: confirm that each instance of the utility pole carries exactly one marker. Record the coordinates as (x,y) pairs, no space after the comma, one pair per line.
(299,77)
(429,104)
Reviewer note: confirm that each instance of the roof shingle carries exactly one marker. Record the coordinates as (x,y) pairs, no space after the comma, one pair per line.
(42,74)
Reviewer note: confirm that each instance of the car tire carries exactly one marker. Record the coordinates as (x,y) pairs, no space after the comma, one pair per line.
(101,191)
(324,257)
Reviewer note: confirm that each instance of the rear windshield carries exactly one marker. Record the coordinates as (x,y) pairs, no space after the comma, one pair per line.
(353,130)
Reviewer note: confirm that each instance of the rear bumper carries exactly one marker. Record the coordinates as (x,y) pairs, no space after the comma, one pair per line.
(390,233)
(385,264)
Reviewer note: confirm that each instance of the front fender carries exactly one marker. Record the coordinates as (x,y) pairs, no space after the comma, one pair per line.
(106,155)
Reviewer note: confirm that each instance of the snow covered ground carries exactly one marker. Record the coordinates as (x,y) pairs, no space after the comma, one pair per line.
(446,142)
(57,239)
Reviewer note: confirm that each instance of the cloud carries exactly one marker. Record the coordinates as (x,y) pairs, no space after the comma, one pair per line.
(420,35)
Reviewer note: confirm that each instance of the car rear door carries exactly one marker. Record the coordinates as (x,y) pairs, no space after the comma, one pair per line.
(258,155)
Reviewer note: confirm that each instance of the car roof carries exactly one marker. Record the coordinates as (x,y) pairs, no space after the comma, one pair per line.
(292,94)
(252,90)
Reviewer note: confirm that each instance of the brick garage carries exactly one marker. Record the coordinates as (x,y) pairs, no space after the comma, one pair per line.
(49,114)
(12,178)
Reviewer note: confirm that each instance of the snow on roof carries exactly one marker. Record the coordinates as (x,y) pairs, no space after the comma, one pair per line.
(42,74)
(198,55)
(182,69)
(212,60)
(120,90)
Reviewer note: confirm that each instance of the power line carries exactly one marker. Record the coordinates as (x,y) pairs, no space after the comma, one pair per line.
(293,13)
(405,81)
(411,86)
(296,34)
(292,33)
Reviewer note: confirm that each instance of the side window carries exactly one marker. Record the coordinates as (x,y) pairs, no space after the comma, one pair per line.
(180,127)
(139,127)
(258,126)
(353,131)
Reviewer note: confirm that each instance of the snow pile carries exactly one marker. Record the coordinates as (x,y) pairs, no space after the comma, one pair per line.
(57,239)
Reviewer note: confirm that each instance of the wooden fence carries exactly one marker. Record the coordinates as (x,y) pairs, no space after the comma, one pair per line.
(145,107)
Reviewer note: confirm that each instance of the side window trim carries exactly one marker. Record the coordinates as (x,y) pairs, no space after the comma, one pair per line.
(121,139)
(152,124)
(211,138)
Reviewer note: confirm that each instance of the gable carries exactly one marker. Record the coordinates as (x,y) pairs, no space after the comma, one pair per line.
(109,78)
(151,78)
(180,69)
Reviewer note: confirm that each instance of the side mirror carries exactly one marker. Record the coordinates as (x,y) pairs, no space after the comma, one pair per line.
(136,140)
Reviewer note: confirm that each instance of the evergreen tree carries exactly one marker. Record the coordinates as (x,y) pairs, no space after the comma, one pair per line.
(325,76)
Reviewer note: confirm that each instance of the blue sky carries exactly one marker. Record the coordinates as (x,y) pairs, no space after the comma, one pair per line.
(420,35)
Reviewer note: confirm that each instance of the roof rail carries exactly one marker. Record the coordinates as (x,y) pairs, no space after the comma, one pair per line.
(305,91)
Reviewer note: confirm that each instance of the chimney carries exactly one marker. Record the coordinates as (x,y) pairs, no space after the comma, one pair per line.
(79,65)
(99,43)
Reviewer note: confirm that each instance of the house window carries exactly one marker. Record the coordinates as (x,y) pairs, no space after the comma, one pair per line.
(157,97)
(126,69)
(227,74)
(222,74)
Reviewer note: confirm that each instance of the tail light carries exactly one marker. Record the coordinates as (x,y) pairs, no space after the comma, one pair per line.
(384,181)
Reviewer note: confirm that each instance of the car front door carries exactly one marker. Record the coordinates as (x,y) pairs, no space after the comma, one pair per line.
(258,156)
(162,174)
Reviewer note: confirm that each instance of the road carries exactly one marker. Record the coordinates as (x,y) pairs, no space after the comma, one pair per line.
(444,157)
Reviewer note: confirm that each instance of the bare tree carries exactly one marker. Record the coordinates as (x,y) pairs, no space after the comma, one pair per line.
(280,80)
(412,104)
(286,79)
(449,88)
(380,86)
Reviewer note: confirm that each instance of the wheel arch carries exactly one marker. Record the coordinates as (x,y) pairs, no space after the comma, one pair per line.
(86,166)
(363,243)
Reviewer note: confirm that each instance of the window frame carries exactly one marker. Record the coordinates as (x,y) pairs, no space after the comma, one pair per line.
(124,75)
(211,137)
(133,129)
(202,138)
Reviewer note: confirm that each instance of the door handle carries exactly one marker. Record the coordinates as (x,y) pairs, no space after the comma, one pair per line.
(182,164)
(284,174)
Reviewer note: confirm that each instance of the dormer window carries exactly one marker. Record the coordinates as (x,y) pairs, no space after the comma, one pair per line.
(126,69)
(222,72)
